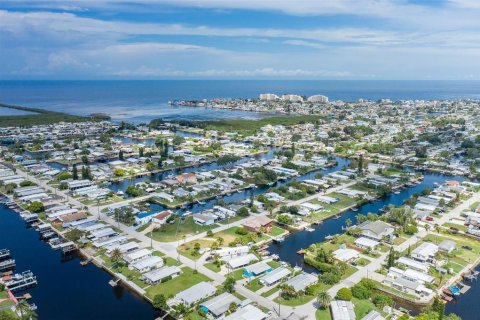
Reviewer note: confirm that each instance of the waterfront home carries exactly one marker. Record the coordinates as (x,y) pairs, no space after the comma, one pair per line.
(366,243)
(351,193)
(78,184)
(302,281)
(106,242)
(240,261)
(65,220)
(203,219)
(189,178)
(249,312)
(161,218)
(220,304)
(273,196)
(147,264)
(373,315)
(195,293)
(258,224)
(275,276)
(328,200)
(408,286)
(102,234)
(410,274)
(447,246)
(420,266)
(123,248)
(137,255)
(308,208)
(231,252)
(342,310)
(159,275)
(376,230)
(345,255)
(165,196)
(144,217)
(425,252)
(256,269)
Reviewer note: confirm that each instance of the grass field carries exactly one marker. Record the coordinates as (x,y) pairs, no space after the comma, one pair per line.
(185,280)
(187,249)
(255,125)
(270,292)
(229,235)
(254,285)
(167,232)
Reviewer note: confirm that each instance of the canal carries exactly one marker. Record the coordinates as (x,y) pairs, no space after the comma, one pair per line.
(287,249)
(65,289)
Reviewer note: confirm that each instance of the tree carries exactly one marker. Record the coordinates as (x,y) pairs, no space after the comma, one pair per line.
(36,207)
(74,172)
(348,222)
(439,307)
(160,302)
(64,175)
(5,315)
(23,309)
(344,294)
(229,284)
(140,151)
(233,307)
(116,256)
(324,299)
(84,159)
(243,212)
(382,300)
(427,227)
(391,258)
(120,155)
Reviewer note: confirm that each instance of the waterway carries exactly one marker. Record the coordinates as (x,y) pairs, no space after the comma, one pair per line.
(65,289)
(287,249)
(466,305)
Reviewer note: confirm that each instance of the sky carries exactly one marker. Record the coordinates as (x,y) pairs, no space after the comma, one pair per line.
(240,39)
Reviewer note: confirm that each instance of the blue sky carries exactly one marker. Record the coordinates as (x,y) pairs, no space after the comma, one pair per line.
(240,39)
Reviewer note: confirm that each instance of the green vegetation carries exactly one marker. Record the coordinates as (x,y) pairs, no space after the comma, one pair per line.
(181,228)
(254,285)
(170,288)
(40,117)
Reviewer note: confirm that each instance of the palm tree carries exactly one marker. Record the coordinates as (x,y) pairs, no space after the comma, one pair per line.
(116,256)
(348,222)
(23,309)
(437,228)
(324,299)
(427,227)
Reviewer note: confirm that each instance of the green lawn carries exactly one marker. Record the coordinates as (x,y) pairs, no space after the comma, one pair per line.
(362,262)
(274,264)
(276,231)
(212,266)
(229,235)
(187,249)
(270,292)
(167,232)
(323,314)
(301,299)
(5,303)
(362,307)
(170,288)
(254,285)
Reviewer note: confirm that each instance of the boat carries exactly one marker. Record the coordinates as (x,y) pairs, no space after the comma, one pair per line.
(309,229)
(397,192)
(113,283)
(355,209)
(318,222)
(301,251)
(279,239)
(336,217)
(201,202)
(455,290)
(83,263)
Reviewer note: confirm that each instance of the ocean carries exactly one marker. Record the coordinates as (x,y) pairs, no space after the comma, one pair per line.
(141,101)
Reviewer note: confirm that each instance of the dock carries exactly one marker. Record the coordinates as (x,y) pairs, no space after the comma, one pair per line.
(19,282)
(7,265)
(4,254)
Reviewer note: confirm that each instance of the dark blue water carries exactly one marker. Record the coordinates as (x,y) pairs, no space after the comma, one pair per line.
(466,305)
(65,289)
(303,239)
(143,100)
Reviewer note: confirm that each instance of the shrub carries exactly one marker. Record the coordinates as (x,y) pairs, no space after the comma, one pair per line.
(330,278)
(241,231)
(344,294)
(382,300)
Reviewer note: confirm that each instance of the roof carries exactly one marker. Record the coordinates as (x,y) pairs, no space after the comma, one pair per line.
(162,273)
(162,215)
(345,254)
(219,304)
(447,245)
(373,315)
(275,275)
(257,222)
(196,293)
(342,310)
(425,249)
(301,281)
(242,260)
(413,263)
(378,227)
(258,268)
(248,312)
(148,262)
(366,242)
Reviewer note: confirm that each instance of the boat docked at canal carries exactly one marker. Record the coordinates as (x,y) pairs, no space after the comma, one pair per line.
(20,281)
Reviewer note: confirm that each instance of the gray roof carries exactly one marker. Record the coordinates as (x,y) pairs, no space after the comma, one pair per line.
(301,281)
(342,310)
(162,273)
(258,267)
(377,226)
(197,292)
(220,304)
(373,315)
(275,275)
(447,245)
(248,312)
